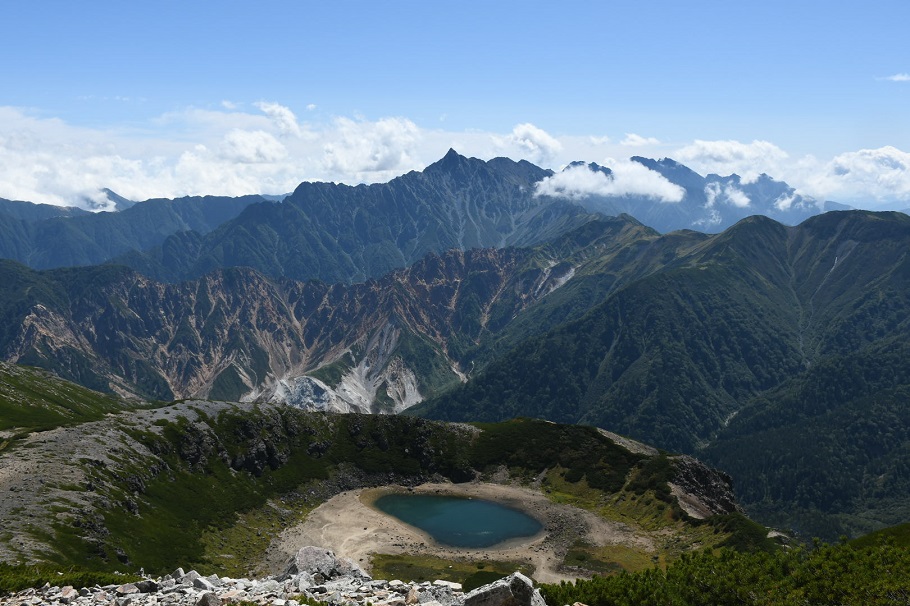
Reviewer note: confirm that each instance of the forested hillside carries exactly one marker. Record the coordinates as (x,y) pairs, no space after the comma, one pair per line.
(778,352)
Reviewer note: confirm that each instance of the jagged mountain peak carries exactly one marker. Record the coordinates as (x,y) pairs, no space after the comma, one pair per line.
(592,166)
(451,161)
(120,203)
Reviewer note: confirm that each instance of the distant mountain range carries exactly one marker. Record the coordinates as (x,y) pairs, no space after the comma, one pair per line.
(710,204)
(339,233)
(44,237)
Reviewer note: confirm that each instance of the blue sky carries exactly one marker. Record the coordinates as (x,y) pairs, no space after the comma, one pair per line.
(171,98)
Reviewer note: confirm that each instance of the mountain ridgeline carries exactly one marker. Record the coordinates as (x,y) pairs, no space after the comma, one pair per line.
(779,354)
(731,346)
(44,237)
(385,344)
(343,234)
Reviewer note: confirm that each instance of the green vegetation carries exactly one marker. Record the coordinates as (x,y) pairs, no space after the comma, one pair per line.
(607,560)
(331,374)
(219,485)
(427,362)
(750,349)
(899,536)
(17,578)
(534,446)
(206,473)
(235,550)
(228,385)
(825,575)
(35,400)
(826,455)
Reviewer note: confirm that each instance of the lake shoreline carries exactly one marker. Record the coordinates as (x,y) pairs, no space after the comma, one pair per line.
(351,525)
(459,521)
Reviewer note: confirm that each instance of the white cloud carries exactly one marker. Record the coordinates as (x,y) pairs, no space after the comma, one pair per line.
(628,179)
(725,194)
(868,175)
(532,143)
(785,201)
(387,146)
(283,118)
(237,151)
(633,140)
(311,107)
(904,77)
(748,160)
(252,147)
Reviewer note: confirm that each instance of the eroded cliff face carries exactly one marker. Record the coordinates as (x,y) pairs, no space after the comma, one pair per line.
(380,346)
(702,491)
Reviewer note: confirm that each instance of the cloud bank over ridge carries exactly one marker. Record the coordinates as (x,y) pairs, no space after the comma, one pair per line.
(265,147)
(627,178)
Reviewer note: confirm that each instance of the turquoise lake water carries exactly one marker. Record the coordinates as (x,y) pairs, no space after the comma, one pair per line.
(459,522)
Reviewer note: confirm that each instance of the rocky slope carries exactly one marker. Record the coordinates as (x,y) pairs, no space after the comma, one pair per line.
(378,346)
(313,576)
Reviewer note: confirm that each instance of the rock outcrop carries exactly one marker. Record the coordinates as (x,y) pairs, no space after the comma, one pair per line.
(702,491)
(313,574)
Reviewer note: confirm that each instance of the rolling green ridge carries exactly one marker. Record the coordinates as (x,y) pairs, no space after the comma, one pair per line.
(35,400)
(46,237)
(777,353)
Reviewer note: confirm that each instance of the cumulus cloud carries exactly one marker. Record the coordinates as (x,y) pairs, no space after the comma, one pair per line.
(627,179)
(252,147)
(532,142)
(206,152)
(879,175)
(283,118)
(387,146)
(904,77)
(725,194)
(748,160)
(633,140)
(233,150)
(785,201)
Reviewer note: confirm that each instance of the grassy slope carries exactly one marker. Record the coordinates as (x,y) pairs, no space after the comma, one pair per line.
(199,490)
(35,400)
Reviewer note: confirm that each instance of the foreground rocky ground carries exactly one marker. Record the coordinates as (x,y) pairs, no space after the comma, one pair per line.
(312,575)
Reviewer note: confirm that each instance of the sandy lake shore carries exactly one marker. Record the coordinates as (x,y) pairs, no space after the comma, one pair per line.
(350,526)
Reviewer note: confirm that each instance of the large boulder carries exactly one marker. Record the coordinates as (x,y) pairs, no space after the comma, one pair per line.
(318,560)
(514,590)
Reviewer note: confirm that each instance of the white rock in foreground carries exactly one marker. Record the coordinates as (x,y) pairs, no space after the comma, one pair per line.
(313,573)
